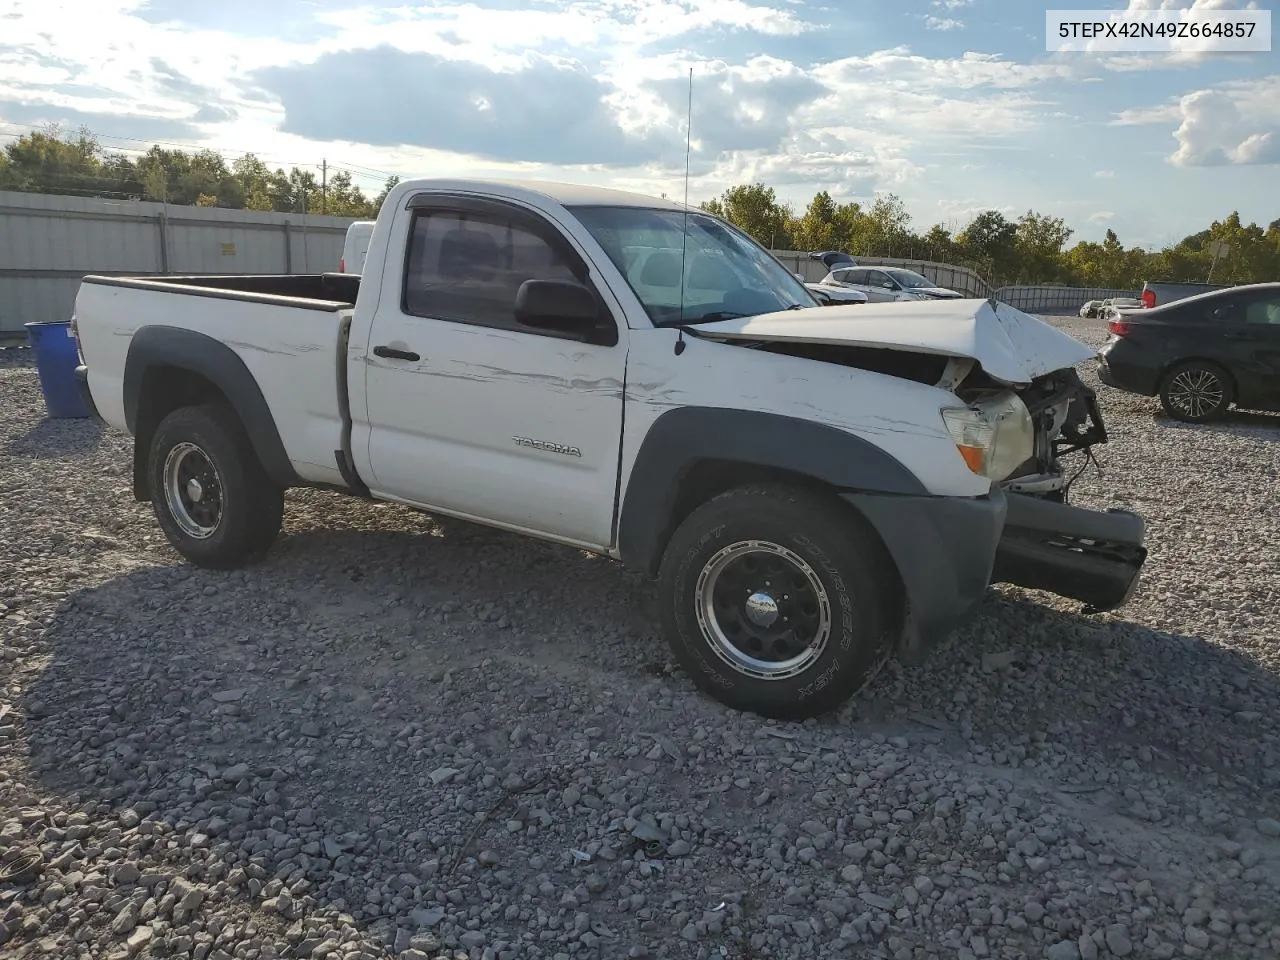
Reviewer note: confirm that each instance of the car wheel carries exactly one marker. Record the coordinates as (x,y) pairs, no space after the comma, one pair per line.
(211,495)
(1195,392)
(777,601)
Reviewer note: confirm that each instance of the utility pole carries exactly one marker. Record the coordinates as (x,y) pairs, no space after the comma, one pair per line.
(324,186)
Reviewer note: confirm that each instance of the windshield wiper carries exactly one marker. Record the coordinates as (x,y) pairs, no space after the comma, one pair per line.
(717,315)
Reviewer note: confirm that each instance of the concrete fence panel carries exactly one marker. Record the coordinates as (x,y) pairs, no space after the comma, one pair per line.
(48,243)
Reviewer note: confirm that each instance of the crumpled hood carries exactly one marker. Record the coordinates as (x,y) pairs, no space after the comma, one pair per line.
(1011,346)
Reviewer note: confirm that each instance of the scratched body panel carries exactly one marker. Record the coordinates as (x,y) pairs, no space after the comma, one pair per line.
(899,416)
(509,426)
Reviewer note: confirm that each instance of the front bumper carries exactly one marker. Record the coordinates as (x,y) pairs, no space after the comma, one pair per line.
(948,550)
(944,549)
(1087,555)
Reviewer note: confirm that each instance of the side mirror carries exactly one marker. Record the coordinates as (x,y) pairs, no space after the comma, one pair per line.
(561,305)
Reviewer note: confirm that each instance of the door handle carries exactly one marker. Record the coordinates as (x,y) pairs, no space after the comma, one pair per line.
(392,353)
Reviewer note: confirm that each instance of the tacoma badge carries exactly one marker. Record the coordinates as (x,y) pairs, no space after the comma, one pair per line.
(548,446)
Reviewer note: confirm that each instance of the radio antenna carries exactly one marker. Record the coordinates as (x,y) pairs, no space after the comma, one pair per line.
(684,232)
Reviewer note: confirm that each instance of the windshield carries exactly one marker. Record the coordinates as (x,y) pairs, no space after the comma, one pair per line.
(726,275)
(909,278)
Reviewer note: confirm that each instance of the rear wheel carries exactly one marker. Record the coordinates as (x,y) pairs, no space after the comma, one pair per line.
(211,494)
(777,601)
(1195,392)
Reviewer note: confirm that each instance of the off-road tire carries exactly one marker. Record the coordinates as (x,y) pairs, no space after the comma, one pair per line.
(842,553)
(251,503)
(1181,376)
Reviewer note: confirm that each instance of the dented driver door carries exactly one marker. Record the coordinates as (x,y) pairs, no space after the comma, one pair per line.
(472,413)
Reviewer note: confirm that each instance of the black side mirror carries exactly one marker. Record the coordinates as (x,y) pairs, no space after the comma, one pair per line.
(565,307)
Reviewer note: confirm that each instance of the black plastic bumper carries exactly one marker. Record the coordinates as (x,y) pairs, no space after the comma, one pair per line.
(82,382)
(944,549)
(1087,555)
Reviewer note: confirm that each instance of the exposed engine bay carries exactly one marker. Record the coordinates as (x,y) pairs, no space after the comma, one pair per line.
(1063,411)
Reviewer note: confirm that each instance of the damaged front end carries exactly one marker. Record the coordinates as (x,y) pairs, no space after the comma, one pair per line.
(1021,416)
(1091,556)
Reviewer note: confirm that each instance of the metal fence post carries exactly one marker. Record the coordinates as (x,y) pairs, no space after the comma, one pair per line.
(162,221)
(288,247)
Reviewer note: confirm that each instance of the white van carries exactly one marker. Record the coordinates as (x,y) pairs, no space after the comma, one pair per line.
(355,247)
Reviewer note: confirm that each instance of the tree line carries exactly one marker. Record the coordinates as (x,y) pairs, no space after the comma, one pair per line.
(1034,248)
(49,162)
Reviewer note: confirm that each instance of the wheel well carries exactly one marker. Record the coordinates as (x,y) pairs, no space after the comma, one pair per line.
(1231,380)
(164,389)
(709,478)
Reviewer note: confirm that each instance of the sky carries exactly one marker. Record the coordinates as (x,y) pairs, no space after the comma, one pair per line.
(953,105)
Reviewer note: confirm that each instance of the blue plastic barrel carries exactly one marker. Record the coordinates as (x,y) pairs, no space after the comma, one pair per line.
(56,362)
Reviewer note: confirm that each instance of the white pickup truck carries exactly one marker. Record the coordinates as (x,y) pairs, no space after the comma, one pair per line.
(814,489)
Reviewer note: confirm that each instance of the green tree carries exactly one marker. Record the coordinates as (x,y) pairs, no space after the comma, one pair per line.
(755,210)
(1037,246)
(939,245)
(47,162)
(989,239)
(817,229)
(391,184)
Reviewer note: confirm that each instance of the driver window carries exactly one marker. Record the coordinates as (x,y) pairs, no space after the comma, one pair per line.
(882,280)
(468,268)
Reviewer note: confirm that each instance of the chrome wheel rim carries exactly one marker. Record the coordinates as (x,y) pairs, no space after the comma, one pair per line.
(1196,392)
(763,610)
(193,491)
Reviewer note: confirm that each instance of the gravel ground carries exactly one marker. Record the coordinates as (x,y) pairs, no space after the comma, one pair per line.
(405,738)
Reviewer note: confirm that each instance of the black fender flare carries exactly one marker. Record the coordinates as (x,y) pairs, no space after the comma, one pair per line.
(165,346)
(682,438)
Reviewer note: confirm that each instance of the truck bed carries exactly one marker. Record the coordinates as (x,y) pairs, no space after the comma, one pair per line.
(326,290)
(290,331)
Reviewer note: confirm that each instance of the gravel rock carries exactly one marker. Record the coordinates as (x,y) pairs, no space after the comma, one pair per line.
(401,736)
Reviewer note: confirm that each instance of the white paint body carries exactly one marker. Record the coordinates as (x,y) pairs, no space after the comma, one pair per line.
(290,351)
(442,433)
(355,247)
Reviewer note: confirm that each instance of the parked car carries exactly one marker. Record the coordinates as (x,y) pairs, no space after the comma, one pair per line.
(1090,308)
(830,294)
(505,358)
(882,284)
(1200,354)
(355,246)
(1122,303)
(833,258)
(1158,293)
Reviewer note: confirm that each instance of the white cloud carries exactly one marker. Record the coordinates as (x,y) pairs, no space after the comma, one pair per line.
(943,24)
(1105,174)
(907,71)
(951,4)
(971,96)
(1101,216)
(1236,123)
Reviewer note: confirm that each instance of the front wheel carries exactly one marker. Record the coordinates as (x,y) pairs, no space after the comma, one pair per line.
(777,601)
(1195,392)
(211,494)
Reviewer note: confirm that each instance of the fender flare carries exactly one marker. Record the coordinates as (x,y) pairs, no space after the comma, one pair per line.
(682,438)
(165,346)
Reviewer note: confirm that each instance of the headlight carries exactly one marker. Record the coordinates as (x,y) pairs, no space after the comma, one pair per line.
(994,435)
